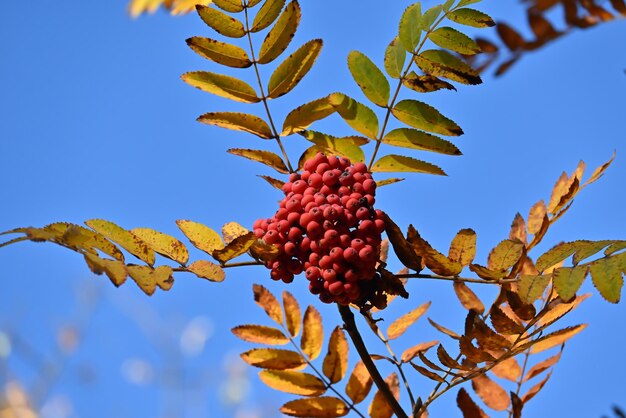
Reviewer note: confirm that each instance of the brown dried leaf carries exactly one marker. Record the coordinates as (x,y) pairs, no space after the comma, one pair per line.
(379,408)
(410,353)
(400,325)
(503,323)
(536,217)
(511,38)
(516,405)
(541,367)
(359,383)
(491,393)
(463,247)
(298,383)
(323,407)
(273,358)
(508,369)
(468,407)
(268,302)
(401,246)
(292,313)
(429,374)
(447,360)
(518,229)
(444,330)
(433,259)
(260,334)
(524,311)
(335,363)
(473,354)
(535,389)
(468,298)
(312,333)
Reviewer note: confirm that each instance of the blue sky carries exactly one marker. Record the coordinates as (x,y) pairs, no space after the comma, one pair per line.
(96,123)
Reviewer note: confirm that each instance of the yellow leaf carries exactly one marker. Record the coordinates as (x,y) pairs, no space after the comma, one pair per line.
(201,236)
(298,383)
(232,6)
(348,147)
(289,73)
(268,302)
(267,14)
(207,270)
(414,139)
(443,64)
(401,164)
(303,116)
(598,172)
(463,247)
(275,183)
(312,333)
(235,248)
(222,85)
(505,255)
(292,313)
(323,407)
(400,325)
(148,278)
(220,52)
(379,408)
(359,384)
(454,40)
(187,6)
(471,17)
(233,230)
(238,122)
(335,363)
(260,334)
(124,238)
(491,393)
(115,270)
(221,22)
(265,157)
(468,298)
(273,358)
(280,36)
(163,244)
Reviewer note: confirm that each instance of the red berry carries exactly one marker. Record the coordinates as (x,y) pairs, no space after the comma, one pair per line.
(336,288)
(312,273)
(360,167)
(351,255)
(329,275)
(326,262)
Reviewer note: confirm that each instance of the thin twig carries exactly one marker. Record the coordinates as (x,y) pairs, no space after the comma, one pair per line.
(453,279)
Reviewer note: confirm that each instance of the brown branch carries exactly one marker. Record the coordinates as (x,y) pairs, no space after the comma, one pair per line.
(453,279)
(357,340)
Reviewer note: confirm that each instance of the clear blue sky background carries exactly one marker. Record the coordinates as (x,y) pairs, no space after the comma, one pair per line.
(95,123)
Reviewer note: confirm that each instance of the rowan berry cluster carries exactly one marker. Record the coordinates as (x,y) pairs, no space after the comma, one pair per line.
(326,227)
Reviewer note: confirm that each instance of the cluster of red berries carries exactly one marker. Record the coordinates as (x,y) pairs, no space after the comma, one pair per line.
(326,227)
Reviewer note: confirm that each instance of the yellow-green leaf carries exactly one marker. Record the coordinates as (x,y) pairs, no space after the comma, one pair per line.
(589,248)
(298,383)
(233,6)
(148,278)
(267,14)
(370,79)
(387,182)
(293,69)
(292,313)
(163,244)
(360,117)
(425,83)
(430,16)
(471,17)
(235,248)
(505,255)
(454,40)
(567,280)
(265,157)
(221,22)
(443,64)
(395,56)
(201,236)
(345,147)
(410,29)
(414,139)
(124,238)
(607,276)
(273,358)
(207,270)
(238,122)
(115,270)
(220,52)
(399,163)
(359,384)
(303,116)
(335,363)
(557,254)
(260,334)
(555,338)
(222,85)
(268,302)
(531,287)
(280,36)
(380,408)
(422,116)
(400,325)
(463,247)
(322,407)
(312,333)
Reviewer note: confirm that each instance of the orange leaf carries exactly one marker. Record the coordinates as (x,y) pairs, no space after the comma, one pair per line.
(335,363)
(491,393)
(468,407)
(359,383)
(268,302)
(298,383)
(273,358)
(312,333)
(400,325)
(260,334)
(410,353)
(379,408)
(323,407)
(468,298)
(292,313)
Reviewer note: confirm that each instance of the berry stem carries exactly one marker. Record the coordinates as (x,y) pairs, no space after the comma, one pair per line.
(357,340)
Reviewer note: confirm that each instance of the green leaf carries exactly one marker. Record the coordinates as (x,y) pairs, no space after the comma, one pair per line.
(207,270)
(399,163)
(422,116)
(410,30)
(425,83)
(220,52)
(471,17)
(467,2)
(221,22)
(233,6)
(443,64)
(395,56)
(293,69)
(531,287)
(430,16)
(606,275)
(163,244)
(454,40)
(369,77)
(267,14)
(360,117)
(414,139)
(348,147)
(505,255)
(201,236)
(124,238)
(264,157)
(447,5)
(303,116)
(238,122)
(280,36)
(568,280)
(222,85)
